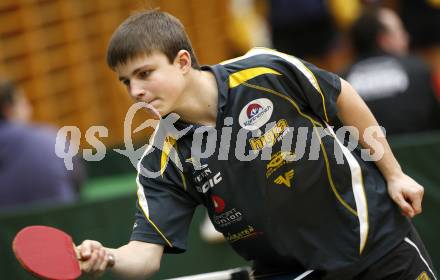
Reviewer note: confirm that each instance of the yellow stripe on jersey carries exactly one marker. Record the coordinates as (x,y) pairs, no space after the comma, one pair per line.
(182,176)
(242,76)
(168,145)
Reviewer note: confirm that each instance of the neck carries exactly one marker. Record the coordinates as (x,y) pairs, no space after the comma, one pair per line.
(198,103)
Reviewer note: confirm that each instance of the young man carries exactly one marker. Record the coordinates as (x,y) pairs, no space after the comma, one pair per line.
(308,206)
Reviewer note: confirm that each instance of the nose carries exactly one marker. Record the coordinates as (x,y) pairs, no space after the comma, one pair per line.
(136,91)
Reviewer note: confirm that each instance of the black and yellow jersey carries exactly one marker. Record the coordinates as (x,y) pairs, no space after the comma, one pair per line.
(273,176)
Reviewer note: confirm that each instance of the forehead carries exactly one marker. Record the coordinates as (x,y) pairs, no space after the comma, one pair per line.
(153,59)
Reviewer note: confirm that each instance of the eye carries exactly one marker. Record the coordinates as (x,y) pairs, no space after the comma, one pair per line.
(126,82)
(144,74)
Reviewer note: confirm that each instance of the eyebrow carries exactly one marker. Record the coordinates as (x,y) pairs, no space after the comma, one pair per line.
(135,71)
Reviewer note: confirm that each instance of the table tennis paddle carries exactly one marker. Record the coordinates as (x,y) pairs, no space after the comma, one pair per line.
(48,253)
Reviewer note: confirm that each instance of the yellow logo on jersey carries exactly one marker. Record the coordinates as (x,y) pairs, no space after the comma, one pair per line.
(286,179)
(423,276)
(271,137)
(278,160)
(246,233)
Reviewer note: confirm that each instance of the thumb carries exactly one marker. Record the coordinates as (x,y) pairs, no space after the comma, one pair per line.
(84,250)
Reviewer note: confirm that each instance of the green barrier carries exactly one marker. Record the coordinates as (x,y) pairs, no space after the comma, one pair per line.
(112,164)
(109,187)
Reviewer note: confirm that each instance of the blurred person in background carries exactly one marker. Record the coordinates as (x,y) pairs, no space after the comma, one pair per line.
(398,88)
(30,171)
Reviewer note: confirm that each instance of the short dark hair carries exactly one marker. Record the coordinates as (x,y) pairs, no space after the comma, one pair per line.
(145,32)
(8,91)
(364,32)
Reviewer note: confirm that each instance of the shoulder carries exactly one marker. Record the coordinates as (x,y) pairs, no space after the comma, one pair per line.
(262,61)
(262,57)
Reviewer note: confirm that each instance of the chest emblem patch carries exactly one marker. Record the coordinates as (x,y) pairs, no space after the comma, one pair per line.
(285,179)
(277,161)
(256,113)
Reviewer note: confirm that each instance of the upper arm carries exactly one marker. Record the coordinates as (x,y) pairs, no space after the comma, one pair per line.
(350,105)
(165,206)
(164,213)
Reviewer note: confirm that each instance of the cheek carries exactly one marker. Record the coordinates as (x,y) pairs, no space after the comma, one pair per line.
(171,87)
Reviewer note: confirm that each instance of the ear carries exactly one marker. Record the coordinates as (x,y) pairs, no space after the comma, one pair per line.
(183,60)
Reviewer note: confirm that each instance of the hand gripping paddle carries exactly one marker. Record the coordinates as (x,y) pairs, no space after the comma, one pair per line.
(48,253)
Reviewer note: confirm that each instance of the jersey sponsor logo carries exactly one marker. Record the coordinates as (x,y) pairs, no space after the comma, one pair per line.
(243,234)
(271,137)
(228,218)
(256,113)
(278,160)
(285,179)
(253,110)
(217,178)
(219,204)
(203,178)
(202,175)
(423,276)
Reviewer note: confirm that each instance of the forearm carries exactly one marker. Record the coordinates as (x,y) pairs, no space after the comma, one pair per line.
(354,112)
(387,164)
(132,262)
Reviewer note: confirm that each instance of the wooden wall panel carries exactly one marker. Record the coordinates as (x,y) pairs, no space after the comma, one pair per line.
(55,50)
